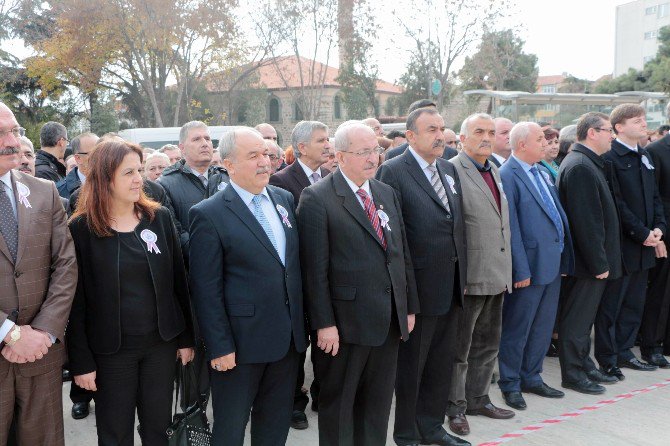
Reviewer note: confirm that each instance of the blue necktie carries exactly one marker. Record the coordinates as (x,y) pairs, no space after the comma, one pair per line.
(551,206)
(263,220)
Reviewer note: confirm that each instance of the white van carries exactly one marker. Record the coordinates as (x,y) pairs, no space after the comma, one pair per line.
(155,138)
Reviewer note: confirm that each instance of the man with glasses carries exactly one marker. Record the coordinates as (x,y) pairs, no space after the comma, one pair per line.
(594,224)
(83,147)
(359,290)
(53,142)
(275,154)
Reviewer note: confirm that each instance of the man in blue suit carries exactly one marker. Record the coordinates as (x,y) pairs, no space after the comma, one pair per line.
(247,292)
(541,252)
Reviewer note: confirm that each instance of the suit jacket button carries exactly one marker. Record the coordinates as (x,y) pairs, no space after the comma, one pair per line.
(556,240)
(454,259)
(17,273)
(286,302)
(388,290)
(502,249)
(286,275)
(388,263)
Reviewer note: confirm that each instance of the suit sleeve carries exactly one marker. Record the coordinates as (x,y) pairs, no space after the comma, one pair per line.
(581,202)
(659,214)
(183,232)
(206,284)
(386,176)
(314,258)
(55,309)
(181,293)
(631,225)
(413,306)
(520,266)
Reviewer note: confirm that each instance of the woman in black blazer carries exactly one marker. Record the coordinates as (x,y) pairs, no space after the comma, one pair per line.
(131,313)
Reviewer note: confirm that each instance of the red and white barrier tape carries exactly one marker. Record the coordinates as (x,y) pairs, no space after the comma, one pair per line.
(571,415)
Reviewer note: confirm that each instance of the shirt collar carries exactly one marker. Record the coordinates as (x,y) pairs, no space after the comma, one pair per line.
(81,176)
(486,167)
(634,149)
(501,159)
(7,179)
(422,162)
(187,168)
(307,170)
(526,167)
(246,196)
(354,187)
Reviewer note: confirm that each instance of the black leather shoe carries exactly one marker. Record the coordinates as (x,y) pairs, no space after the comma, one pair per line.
(79,411)
(636,364)
(315,405)
(553,349)
(585,386)
(658,360)
(491,411)
(597,376)
(544,390)
(299,420)
(447,440)
(514,400)
(613,371)
(67,376)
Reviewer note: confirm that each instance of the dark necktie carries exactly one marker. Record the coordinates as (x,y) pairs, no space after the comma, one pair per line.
(371,212)
(551,206)
(8,226)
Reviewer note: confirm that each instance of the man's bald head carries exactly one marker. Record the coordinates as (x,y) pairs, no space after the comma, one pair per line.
(374,125)
(10,143)
(502,144)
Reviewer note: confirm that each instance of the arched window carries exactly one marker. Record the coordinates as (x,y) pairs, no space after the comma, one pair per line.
(273,110)
(297,113)
(337,107)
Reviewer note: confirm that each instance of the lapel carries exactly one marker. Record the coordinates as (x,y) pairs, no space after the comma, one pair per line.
(453,199)
(352,205)
(472,172)
(420,177)
(288,232)
(239,208)
(521,174)
(299,175)
(24,216)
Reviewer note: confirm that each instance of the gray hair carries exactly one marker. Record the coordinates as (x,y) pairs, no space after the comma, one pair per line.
(271,145)
(302,133)
(26,142)
(473,117)
(414,116)
(568,134)
(520,132)
(228,141)
(168,147)
(341,141)
(75,144)
(183,133)
(161,155)
(51,133)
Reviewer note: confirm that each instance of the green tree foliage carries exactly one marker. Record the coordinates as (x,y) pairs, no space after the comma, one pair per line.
(500,64)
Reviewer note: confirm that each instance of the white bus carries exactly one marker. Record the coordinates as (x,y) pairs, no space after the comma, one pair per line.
(155,138)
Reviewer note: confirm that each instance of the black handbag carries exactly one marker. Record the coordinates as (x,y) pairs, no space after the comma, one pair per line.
(190,427)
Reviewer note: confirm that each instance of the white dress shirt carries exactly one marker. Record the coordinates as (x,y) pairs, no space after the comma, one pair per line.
(309,171)
(354,188)
(633,148)
(270,213)
(423,164)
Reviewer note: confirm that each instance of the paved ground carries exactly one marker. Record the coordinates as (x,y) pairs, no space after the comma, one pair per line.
(639,419)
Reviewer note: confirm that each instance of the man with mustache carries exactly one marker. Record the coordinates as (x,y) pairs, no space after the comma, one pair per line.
(489,275)
(27,159)
(311,147)
(38,270)
(359,290)
(246,288)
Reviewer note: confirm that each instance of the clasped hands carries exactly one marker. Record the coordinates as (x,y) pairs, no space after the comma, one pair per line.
(31,346)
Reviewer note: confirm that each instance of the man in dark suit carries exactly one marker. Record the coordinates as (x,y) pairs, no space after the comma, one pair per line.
(359,290)
(657,306)
(594,224)
(83,147)
(312,149)
(502,149)
(428,190)
(246,289)
(310,146)
(541,251)
(642,226)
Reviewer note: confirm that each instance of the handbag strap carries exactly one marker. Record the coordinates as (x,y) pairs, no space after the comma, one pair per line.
(187,384)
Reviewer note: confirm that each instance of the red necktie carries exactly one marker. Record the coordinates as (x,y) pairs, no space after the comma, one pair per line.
(371,211)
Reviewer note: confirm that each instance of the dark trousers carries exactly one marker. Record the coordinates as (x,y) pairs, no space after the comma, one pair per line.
(619,318)
(300,398)
(79,395)
(423,381)
(476,351)
(265,390)
(578,312)
(356,392)
(527,323)
(139,376)
(656,309)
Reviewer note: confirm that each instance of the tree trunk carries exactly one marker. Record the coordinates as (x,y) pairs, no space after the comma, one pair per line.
(345,30)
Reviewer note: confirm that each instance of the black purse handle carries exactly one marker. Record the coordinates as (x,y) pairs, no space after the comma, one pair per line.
(186,381)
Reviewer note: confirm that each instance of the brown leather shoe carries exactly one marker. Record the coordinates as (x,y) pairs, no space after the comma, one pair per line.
(459,424)
(492,411)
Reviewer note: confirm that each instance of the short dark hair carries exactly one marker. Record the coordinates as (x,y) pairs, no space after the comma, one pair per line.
(421,103)
(591,120)
(395,134)
(624,112)
(663,128)
(51,133)
(412,118)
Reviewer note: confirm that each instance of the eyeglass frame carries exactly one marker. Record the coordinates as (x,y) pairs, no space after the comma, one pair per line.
(366,153)
(14,130)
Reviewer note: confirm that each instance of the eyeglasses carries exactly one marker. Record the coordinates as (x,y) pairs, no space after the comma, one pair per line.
(67,141)
(271,138)
(366,153)
(451,143)
(16,131)
(598,129)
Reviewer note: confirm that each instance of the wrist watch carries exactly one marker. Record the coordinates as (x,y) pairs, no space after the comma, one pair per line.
(14,336)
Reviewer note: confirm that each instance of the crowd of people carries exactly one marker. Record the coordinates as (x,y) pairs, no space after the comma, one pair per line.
(409,263)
